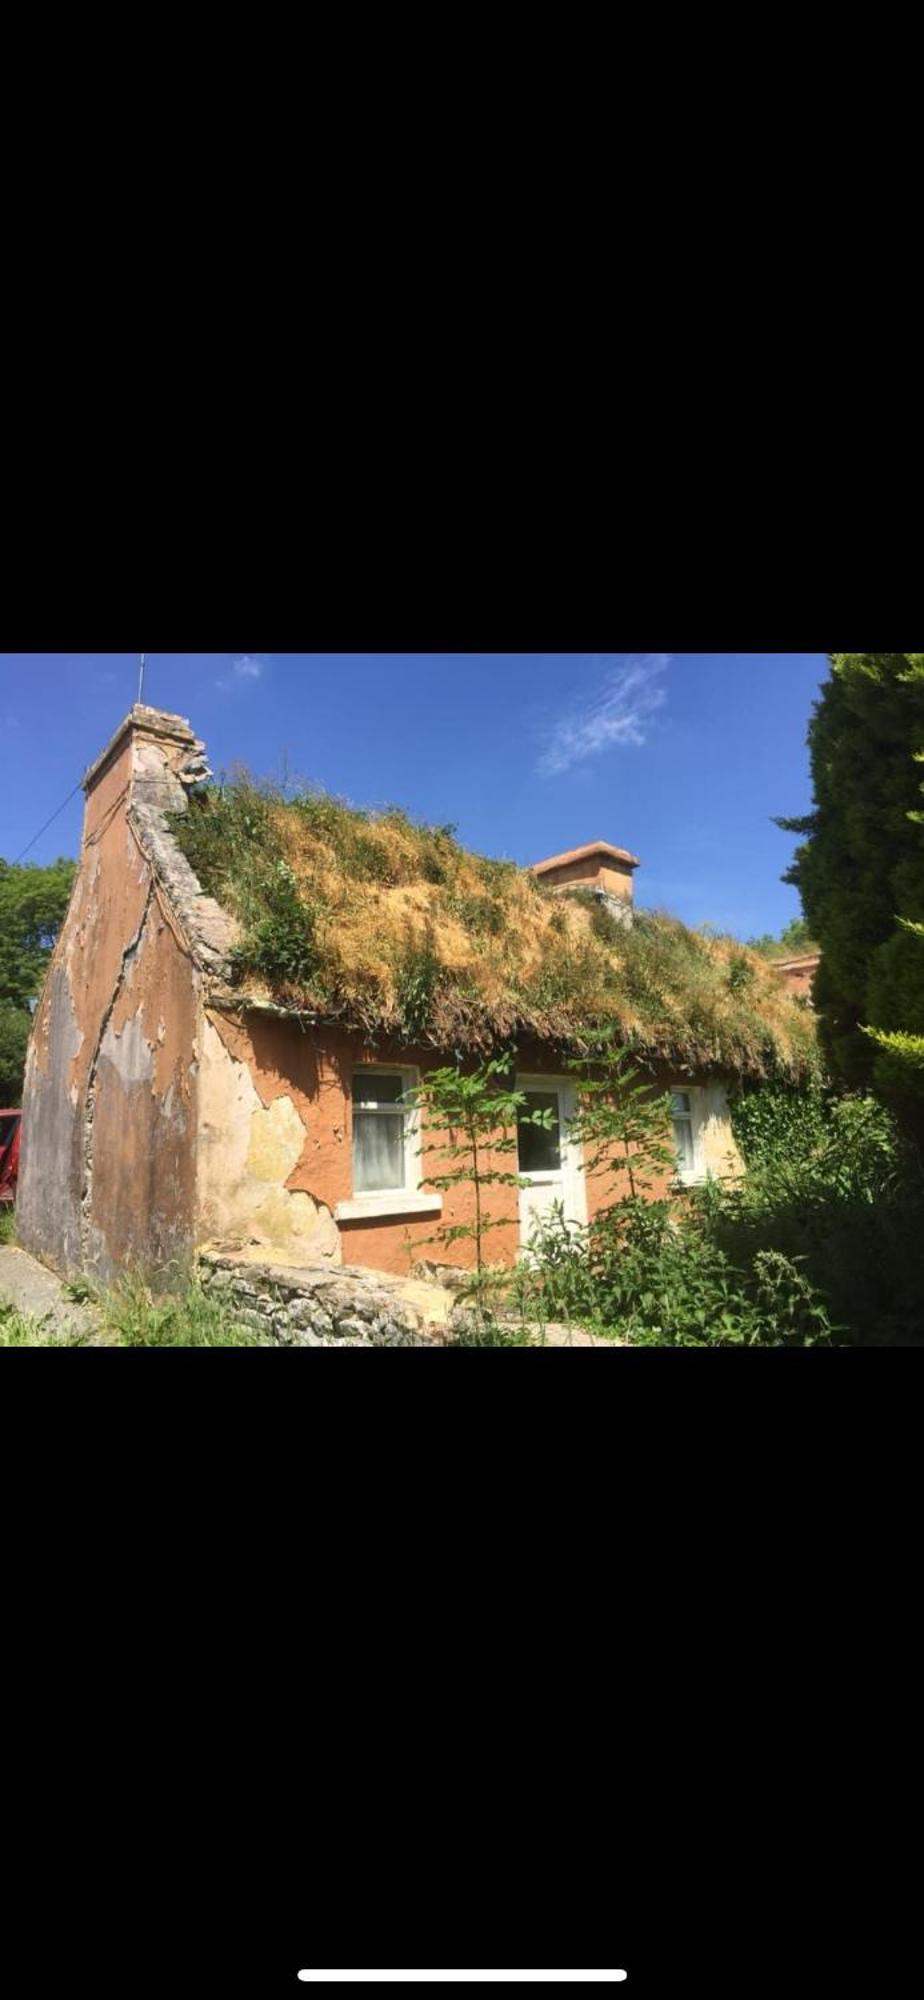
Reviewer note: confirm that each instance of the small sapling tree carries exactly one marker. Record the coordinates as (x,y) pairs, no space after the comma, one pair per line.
(622,1127)
(475,1114)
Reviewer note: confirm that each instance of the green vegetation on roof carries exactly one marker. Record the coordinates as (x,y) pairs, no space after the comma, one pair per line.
(393,927)
(794,941)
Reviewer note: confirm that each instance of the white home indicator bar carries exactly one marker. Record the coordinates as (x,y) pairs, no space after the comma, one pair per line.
(418,1978)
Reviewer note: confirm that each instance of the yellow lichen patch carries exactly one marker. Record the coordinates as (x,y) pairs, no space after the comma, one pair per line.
(246,1152)
(277,1138)
(296,1225)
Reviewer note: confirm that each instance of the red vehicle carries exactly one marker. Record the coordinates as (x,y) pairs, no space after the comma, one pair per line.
(10,1134)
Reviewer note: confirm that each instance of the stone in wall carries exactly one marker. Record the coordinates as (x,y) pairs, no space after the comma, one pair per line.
(321,1307)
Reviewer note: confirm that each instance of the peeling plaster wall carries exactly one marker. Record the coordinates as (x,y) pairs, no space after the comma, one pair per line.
(258,1145)
(109,1113)
(275,1150)
(51,1161)
(106,910)
(262,1063)
(139,1199)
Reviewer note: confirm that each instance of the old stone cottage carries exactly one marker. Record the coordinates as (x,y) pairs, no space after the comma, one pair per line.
(195,1082)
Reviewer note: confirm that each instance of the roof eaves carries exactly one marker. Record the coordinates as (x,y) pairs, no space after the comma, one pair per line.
(601,847)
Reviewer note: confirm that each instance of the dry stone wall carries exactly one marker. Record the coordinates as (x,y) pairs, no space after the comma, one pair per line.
(324,1307)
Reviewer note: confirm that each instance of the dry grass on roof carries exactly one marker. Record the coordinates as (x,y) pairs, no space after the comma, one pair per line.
(393,927)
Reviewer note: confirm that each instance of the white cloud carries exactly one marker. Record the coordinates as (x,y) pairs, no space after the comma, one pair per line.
(245,668)
(619,711)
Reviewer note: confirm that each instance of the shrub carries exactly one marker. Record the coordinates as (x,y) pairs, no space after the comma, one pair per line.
(554,1281)
(656,1272)
(834,1187)
(661,1277)
(776,1121)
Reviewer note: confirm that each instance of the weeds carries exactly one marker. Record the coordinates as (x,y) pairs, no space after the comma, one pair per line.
(393,926)
(818,1244)
(190,1318)
(129,1311)
(833,1187)
(20,1330)
(654,1271)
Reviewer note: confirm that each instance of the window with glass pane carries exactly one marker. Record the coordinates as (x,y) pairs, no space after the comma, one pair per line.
(539,1152)
(378,1131)
(683,1130)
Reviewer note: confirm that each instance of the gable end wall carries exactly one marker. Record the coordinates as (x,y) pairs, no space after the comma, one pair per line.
(110,1111)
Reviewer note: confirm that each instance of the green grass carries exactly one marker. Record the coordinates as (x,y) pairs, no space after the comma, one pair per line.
(18,1331)
(394,928)
(133,1317)
(7,1225)
(188,1318)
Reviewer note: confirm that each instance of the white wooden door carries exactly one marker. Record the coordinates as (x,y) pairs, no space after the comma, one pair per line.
(549,1162)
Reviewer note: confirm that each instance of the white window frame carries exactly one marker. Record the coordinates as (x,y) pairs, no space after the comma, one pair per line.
(695,1175)
(573,1177)
(409,1198)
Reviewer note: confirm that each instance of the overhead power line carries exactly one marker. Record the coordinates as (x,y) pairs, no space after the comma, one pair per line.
(71,795)
(48,823)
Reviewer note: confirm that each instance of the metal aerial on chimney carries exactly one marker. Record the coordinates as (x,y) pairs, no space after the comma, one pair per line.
(141,677)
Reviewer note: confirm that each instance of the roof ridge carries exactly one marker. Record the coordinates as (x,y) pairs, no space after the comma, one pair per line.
(582,854)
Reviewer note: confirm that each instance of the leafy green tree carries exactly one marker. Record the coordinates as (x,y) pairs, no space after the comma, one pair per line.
(14,1039)
(859,871)
(794,939)
(901,1055)
(32,906)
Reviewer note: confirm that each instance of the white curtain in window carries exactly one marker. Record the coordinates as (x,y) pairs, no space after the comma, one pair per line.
(378,1151)
(683,1131)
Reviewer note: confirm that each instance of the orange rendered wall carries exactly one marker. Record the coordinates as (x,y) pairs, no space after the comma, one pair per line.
(108,1165)
(799,975)
(314,1068)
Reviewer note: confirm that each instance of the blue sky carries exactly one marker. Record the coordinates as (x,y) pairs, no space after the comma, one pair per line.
(682,757)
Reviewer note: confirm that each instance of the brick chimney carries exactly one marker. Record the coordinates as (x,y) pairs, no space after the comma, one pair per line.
(146,773)
(606,871)
(799,973)
(152,759)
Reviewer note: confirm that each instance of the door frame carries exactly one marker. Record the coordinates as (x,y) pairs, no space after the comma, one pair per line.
(573,1177)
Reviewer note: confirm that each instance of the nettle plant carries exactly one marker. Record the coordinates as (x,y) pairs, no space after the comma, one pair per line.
(477,1113)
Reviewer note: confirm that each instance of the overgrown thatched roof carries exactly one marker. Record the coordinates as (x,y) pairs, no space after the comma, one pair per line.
(394,927)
